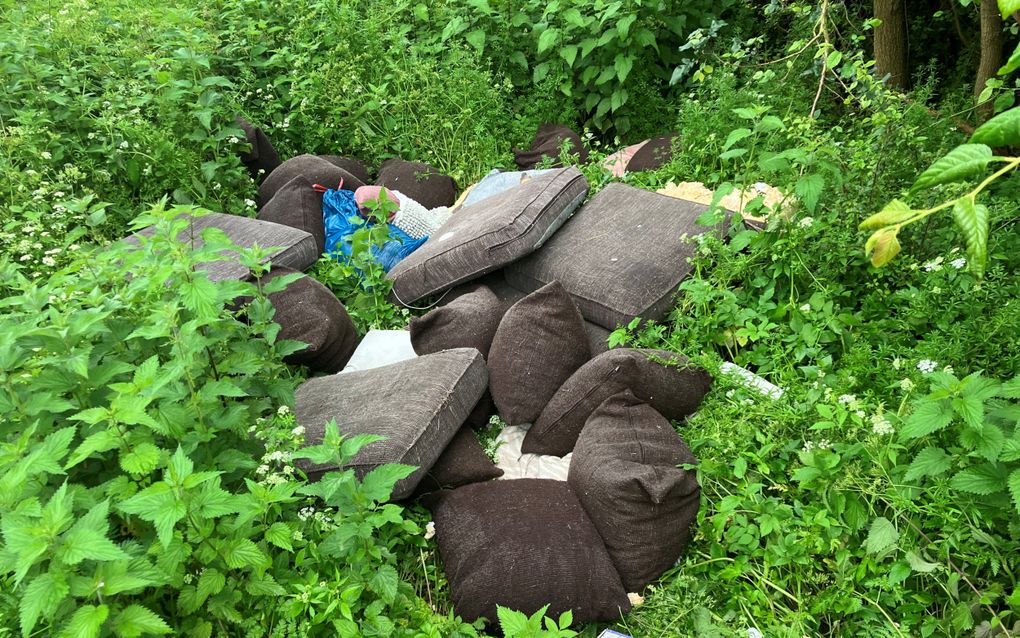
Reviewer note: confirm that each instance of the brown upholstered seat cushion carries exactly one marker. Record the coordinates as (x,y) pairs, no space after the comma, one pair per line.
(621,256)
(598,338)
(540,342)
(485,237)
(421,182)
(294,248)
(417,404)
(313,168)
(548,140)
(674,390)
(657,152)
(296,204)
(351,165)
(523,544)
(310,313)
(462,462)
(261,159)
(624,471)
(469,321)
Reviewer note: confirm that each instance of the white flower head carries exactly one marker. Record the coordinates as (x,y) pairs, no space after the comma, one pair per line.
(958,263)
(49,261)
(46,155)
(806,308)
(430,530)
(283,410)
(250,203)
(806,222)
(847,399)
(933,265)
(927,366)
(752,632)
(881,425)
(124,144)
(906,385)
(298,430)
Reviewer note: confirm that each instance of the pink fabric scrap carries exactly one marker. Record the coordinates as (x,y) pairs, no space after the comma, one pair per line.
(617,162)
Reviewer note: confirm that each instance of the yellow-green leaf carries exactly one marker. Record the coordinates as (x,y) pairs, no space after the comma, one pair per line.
(882,246)
(1008,7)
(895,212)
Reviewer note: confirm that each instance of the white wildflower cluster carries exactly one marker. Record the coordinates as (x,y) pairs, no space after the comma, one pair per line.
(927,366)
(822,444)
(806,222)
(880,425)
(958,263)
(848,399)
(934,265)
(906,385)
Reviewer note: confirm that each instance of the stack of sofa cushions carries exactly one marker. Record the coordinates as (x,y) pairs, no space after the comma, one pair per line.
(308,312)
(313,168)
(294,248)
(298,205)
(627,471)
(462,462)
(485,237)
(623,255)
(418,405)
(665,380)
(523,544)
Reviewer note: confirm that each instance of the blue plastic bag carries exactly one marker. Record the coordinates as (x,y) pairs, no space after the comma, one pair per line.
(341,219)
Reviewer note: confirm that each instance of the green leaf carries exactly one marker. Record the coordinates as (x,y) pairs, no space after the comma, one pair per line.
(1013,482)
(158,505)
(895,212)
(101,441)
(1010,389)
(41,598)
(378,484)
(882,246)
(960,163)
(86,622)
(244,553)
(89,544)
(833,60)
(569,54)
(768,124)
(928,416)
(421,12)
(735,136)
(1013,63)
(882,536)
(623,64)
(972,220)
(624,24)
(141,460)
(476,39)
(549,38)
(513,623)
(210,583)
(1001,130)
(385,583)
(134,621)
(280,534)
(539,73)
(199,296)
(931,461)
(919,564)
(518,58)
(1008,8)
(264,586)
(981,479)
(574,17)
(179,468)
(809,189)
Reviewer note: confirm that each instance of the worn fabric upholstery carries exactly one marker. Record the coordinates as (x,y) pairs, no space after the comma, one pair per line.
(462,462)
(485,237)
(294,248)
(417,404)
(469,321)
(598,338)
(621,256)
(313,168)
(297,205)
(625,473)
(351,165)
(674,390)
(261,159)
(421,182)
(539,343)
(546,144)
(653,154)
(523,544)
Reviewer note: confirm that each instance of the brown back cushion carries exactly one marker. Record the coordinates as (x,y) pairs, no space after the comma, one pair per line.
(523,544)
(421,182)
(297,205)
(310,313)
(469,321)
(621,256)
(351,165)
(674,390)
(462,462)
(624,471)
(313,168)
(486,236)
(548,140)
(261,159)
(540,342)
(417,404)
(654,154)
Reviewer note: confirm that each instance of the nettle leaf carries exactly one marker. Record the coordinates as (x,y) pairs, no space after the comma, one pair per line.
(102,441)
(378,484)
(809,189)
(919,564)
(159,505)
(199,296)
(882,536)
(41,598)
(1010,389)
(735,136)
(210,583)
(134,621)
(244,553)
(960,163)
(513,623)
(141,460)
(1013,482)
(931,461)
(86,622)
(895,212)
(981,479)
(1001,130)
(972,220)
(280,534)
(385,583)
(928,416)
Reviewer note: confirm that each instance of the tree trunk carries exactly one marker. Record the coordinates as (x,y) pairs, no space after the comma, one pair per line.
(991,54)
(891,42)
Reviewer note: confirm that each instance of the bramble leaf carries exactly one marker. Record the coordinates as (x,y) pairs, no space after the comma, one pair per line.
(972,220)
(882,246)
(895,212)
(958,164)
(1001,130)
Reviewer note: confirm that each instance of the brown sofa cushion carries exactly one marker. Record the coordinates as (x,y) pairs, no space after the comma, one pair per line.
(351,165)
(621,256)
(674,390)
(313,168)
(523,544)
(469,321)
(540,342)
(297,205)
(462,462)
(261,159)
(548,140)
(418,404)
(598,338)
(295,248)
(310,313)
(421,182)
(624,471)
(485,237)
(657,152)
